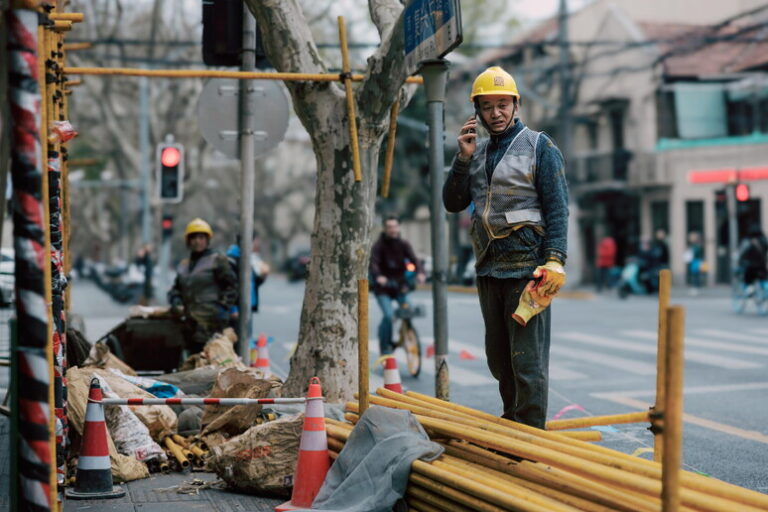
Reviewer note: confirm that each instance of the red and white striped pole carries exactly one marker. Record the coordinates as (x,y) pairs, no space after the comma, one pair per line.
(202,401)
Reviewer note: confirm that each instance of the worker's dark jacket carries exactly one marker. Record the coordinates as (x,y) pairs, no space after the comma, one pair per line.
(516,181)
(206,286)
(388,259)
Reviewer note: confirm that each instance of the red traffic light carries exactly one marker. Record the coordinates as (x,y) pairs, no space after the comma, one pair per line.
(167,224)
(170,157)
(742,192)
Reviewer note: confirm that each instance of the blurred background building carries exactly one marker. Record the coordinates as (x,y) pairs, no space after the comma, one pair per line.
(657,89)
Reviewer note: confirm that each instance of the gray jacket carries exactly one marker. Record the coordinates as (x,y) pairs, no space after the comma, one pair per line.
(517,183)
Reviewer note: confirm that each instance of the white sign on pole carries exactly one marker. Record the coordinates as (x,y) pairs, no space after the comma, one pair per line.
(432,29)
(218,115)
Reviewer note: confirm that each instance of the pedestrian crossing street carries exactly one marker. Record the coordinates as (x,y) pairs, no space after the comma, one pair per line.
(582,355)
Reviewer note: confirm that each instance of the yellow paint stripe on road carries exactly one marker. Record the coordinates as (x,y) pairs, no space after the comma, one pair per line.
(751,435)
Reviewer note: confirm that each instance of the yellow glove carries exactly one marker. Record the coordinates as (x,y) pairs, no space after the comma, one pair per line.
(552,276)
(531,304)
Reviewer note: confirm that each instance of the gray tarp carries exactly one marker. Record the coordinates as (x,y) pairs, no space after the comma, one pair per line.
(371,473)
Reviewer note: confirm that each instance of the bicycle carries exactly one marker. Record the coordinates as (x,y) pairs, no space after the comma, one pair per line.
(408,337)
(743,293)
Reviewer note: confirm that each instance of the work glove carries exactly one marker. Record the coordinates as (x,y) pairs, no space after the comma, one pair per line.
(552,275)
(531,304)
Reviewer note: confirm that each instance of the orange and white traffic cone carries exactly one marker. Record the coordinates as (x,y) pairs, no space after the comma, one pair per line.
(313,462)
(392,375)
(94,473)
(262,361)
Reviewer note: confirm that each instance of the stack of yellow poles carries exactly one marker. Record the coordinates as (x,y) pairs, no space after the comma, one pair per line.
(493,464)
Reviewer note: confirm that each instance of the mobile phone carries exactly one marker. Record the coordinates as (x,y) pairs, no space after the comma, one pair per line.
(472,130)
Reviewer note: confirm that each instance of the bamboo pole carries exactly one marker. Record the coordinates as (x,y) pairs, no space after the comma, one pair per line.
(607,474)
(563,500)
(620,500)
(213,73)
(78,46)
(555,441)
(589,436)
(516,501)
(657,424)
(62,26)
(362,346)
(632,417)
(351,113)
(693,481)
(390,155)
(502,485)
(453,494)
(673,410)
(45,111)
(177,452)
(426,500)
(75,17)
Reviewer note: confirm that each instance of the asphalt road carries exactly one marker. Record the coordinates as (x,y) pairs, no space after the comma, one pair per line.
(602,362)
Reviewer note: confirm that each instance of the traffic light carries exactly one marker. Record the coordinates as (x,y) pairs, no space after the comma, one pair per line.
(170,172)
(742,192)
(223,34)
(167,226)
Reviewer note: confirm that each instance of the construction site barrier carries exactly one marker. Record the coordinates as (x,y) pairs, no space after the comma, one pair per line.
(204,401)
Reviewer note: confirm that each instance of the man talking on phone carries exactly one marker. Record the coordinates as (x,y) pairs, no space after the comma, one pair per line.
(516,180)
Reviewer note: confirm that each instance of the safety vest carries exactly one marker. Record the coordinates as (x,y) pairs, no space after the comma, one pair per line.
(510,200)
(198,288)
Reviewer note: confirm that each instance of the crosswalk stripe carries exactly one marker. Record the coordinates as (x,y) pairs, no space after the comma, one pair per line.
(618,363)
(717,333)
(700,342)
(558,372)
(764,332)
(690,355)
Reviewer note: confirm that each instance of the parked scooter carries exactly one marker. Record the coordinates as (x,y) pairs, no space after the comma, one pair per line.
(636,280)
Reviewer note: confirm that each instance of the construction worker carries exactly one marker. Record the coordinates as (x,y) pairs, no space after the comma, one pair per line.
(516,180)
(205,287)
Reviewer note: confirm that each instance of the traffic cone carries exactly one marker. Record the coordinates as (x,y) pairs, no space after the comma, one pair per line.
(94,473)
(262,361)
(313,462)
(392,375)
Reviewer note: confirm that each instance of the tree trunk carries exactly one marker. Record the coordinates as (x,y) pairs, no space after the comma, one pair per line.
(344,211)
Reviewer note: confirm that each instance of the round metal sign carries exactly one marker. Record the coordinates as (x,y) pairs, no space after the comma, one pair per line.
(218,115)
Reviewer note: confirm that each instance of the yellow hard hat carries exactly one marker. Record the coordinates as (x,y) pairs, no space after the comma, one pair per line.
(494,80)
(198,225)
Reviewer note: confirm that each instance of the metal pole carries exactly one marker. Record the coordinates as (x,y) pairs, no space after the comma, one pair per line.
(146,226)
(566,121)
(435,73)
(733,230)
(247,179)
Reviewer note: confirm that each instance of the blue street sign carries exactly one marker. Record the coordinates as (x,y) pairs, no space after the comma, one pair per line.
(432,29)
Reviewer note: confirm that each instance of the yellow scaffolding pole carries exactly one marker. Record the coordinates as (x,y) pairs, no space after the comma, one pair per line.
(351,113)
(657,411)
(45,109)
(213,73)
(389,157)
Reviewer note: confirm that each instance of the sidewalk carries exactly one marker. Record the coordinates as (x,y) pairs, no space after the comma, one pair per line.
(147,495)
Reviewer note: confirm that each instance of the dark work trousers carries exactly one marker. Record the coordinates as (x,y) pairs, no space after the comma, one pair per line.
(518,357)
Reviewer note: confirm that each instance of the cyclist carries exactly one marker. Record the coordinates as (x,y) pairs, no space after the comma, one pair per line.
(392,263)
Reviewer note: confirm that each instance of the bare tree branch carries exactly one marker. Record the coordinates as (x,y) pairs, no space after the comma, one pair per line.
(384,14)
(385,75)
